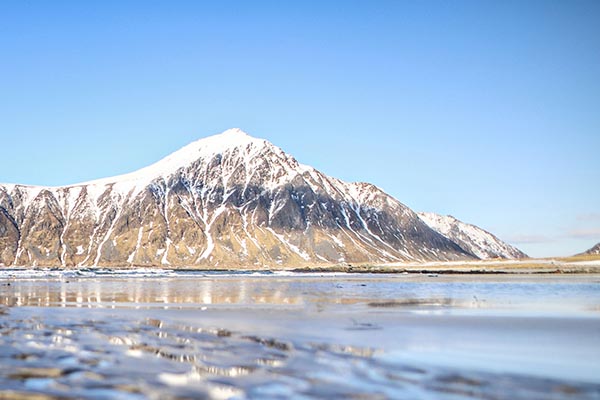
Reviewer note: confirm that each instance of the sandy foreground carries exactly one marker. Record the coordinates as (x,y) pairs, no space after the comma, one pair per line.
(218,335)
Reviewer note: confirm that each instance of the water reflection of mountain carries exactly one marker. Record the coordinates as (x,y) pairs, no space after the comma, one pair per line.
(144,292)
(186,292)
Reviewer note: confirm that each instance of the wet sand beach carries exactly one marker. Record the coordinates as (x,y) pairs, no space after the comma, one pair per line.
(164,334)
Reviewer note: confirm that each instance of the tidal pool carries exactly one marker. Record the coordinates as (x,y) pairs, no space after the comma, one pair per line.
(164,334)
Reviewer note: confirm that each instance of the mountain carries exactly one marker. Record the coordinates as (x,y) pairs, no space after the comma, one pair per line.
(226,201)
(593,251)
(473,239)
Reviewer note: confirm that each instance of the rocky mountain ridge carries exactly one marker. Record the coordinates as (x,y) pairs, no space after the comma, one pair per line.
(475,240)
(226,201)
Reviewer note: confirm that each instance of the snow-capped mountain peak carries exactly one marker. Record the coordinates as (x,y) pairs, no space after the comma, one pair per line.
(217,144)
(204,148)
(225,200)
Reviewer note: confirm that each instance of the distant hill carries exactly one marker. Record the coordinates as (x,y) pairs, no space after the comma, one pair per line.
(593,251)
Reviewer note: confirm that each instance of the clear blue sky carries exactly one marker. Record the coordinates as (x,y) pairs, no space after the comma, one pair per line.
(486,110)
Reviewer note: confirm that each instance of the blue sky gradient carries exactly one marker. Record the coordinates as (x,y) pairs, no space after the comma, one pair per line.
(489,111)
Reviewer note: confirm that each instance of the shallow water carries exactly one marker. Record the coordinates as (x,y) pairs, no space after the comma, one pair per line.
(162,334)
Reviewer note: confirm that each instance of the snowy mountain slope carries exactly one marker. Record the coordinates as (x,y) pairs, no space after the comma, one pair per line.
(470,237)
(229,200)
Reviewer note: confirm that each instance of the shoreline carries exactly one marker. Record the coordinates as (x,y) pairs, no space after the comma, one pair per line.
(321,270)
(572,265)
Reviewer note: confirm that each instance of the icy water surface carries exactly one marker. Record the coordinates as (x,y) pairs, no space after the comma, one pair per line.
(160,334)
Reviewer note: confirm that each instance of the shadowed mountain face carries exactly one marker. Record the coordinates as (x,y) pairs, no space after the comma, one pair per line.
(226,201)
